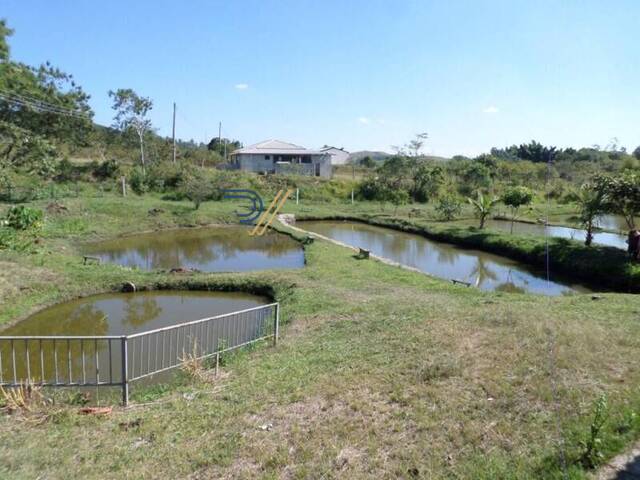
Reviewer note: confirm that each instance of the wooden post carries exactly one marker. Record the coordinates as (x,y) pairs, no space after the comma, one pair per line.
(124,186)
(297,195)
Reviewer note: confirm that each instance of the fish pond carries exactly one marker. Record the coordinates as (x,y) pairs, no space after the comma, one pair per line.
(211,249)
(483,270)
(59,357)
(523,228)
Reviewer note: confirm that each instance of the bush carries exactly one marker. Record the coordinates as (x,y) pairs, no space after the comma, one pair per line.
(138,181)
(448,207)
(24,218)
(106,169)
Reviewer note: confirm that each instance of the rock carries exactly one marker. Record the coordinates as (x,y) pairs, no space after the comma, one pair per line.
(184,270)
(55,207)
(155,211)
(266,427)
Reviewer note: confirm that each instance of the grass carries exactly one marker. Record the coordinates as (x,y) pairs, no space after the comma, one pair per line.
(379,372)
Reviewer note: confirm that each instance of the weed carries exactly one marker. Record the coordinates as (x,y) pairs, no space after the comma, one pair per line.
(22,398)
(592,454)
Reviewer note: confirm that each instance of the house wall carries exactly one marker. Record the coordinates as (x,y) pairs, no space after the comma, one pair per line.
(338,157)
(257,163)
(254,163)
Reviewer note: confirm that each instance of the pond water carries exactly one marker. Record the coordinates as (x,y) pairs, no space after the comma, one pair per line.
(601,238)
(219,249)
(484,270)
(615,222)
(99,359)
(127,313)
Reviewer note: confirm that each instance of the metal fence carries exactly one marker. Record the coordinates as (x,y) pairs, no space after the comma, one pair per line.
(95,361)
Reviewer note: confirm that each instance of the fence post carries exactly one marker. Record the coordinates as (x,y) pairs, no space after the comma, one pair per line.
(276,325)
(125,370)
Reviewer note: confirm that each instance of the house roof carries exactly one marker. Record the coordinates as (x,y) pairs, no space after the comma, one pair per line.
(328,147)
(277,147)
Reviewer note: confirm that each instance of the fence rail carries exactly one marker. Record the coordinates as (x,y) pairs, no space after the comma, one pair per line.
(95,361)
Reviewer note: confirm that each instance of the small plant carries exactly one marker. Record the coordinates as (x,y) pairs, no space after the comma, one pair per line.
(483,206)
(515,198)
(194,366)
(24,218)
(448,208)
(592,454)
(21,398)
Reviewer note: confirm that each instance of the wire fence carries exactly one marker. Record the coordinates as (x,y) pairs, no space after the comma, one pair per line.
(96,361)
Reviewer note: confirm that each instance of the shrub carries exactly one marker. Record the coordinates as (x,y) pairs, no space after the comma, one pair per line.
(106,169)
(448,208)
(24,218)
(138,181)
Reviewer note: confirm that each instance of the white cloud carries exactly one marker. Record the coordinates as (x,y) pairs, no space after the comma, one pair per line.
(364,120)
(491,109)
(241,86)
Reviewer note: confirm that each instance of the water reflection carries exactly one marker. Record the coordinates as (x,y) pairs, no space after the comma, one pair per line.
(601,238)
(484,270)
(208,249)
(127,313)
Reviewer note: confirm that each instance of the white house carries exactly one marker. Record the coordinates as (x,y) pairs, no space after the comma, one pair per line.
(274,156)
(339,156)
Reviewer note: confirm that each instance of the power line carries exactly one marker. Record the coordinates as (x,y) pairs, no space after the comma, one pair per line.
(40,105)
(41,108)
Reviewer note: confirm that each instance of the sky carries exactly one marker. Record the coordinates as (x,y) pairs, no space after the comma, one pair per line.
(363,75)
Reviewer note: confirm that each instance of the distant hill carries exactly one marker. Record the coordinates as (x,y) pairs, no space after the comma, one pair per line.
(377,156)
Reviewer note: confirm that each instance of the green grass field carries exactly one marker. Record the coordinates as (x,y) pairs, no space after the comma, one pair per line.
(380,372)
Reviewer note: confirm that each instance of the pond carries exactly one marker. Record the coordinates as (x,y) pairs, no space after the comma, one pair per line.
(212,249)
(127,313)
(601,238)
(72,361)
(615,222)
(481,269)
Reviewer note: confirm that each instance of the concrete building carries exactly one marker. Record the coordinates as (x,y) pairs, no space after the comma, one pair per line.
(339,156)
(274,156)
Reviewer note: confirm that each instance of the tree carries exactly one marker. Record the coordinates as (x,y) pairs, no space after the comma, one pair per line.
(5,32)
(415,145)
(427,180)
(591,202)
(636,152)
(483,206)
(223,145)
(367,162)
(621,195)
(43,100)
(448,208)
(515,197)
(131,113)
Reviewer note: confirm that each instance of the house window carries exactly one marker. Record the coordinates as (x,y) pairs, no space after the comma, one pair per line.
(306,159)
(267,157)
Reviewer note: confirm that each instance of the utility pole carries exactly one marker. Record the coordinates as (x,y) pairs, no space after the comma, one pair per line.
(174,132)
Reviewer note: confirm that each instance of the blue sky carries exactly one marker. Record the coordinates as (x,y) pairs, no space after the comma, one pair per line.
(355,74)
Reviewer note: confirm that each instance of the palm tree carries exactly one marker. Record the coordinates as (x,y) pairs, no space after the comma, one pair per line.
(591,204)
(483,206)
